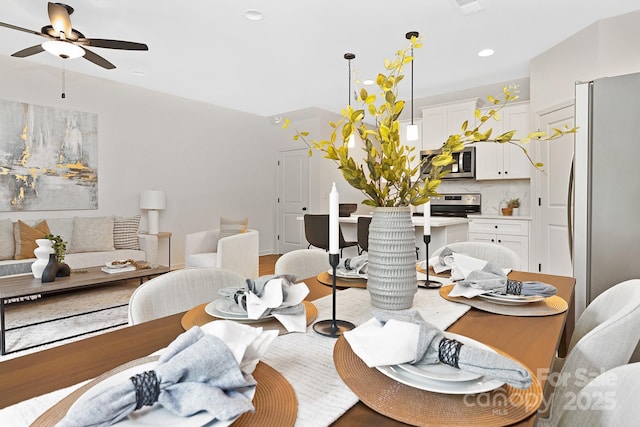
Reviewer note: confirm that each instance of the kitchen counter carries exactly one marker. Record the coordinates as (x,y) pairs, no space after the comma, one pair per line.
(444,230)
(418,221)
(512,217)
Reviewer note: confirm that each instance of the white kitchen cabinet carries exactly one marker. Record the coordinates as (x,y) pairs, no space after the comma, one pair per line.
(505,161)
(440,121)
(512,233)
(417,144)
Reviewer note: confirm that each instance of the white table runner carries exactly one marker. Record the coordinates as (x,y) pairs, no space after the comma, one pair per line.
(305,360)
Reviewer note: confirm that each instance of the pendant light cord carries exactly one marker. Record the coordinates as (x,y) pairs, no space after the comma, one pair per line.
(408,36)
(412,84)
(349,57)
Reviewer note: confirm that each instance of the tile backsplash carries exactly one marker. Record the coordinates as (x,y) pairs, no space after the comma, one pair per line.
(493,192)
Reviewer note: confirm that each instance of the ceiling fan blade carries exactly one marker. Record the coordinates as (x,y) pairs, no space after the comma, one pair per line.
(28,51)
(59,17)
(13,27)
(115,44)
(98,60)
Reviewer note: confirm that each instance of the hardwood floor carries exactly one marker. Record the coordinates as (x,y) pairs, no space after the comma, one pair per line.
(267,264)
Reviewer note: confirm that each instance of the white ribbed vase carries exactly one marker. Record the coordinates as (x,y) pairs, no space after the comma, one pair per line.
(391,270)
(45,247)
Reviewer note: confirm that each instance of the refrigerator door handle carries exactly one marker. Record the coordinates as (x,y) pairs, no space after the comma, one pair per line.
(570,208)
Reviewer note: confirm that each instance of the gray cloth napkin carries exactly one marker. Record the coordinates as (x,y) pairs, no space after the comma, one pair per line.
(492,278)
(196,372)
(445,253)
(355,264)
(469,358)
(258,287)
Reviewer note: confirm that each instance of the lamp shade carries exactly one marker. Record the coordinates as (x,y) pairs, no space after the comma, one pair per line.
(152,199)
(412,132)
(62,49)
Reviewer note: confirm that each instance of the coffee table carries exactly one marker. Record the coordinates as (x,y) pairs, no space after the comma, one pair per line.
(28,288)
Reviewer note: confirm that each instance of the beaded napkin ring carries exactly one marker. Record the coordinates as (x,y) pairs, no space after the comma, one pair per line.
(514,287)
(147,388)
(449,352)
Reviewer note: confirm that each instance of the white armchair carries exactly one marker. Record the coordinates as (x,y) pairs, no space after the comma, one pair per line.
(238,253)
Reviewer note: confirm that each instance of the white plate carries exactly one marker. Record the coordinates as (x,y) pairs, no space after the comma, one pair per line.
(444,372)
(112,265)
(349,274)
(479,385)
(510,299)
(156,415)
(213,310)
(230,307)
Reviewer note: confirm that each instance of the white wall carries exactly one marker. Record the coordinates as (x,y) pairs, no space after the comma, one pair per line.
(322,172)
(209,160)
(606,48)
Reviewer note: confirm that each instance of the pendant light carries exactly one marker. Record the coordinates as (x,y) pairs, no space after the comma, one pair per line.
(412,129)
(351,142)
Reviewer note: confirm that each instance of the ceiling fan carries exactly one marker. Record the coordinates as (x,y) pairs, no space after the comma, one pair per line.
(67,42)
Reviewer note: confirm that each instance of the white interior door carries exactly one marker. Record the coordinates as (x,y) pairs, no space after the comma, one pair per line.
(550,236)
(293,198)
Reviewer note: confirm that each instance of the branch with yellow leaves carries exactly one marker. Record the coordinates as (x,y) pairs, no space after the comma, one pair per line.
(386,177)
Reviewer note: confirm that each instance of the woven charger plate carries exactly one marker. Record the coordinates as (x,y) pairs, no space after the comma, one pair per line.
(327,279)
(197,316)
(275,400)
(547,307)
(502,406)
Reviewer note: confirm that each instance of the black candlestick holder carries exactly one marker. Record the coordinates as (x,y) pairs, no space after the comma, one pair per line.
(428,283)
(333,328)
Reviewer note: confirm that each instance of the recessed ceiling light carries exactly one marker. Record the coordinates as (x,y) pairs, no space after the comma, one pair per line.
(253,15)
(368,82)
(138,73)
(486,52)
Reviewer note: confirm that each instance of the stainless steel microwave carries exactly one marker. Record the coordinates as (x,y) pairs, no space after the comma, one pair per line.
(463,166)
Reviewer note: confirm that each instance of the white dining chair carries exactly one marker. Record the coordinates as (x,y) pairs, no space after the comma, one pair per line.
(501,255)
(611,399)
(178,291)
(303,263)
(604,337)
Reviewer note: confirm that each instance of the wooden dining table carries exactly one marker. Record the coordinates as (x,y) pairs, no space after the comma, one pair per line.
(532,340)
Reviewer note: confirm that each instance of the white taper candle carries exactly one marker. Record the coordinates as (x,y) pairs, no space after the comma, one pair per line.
(427,219)
(333,220)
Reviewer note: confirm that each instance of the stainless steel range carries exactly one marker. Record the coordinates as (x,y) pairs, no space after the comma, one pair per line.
(456,204)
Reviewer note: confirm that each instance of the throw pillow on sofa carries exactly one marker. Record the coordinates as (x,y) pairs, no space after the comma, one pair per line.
(92,234)
(25,237)
(125,232)
(230,226)
(7,242)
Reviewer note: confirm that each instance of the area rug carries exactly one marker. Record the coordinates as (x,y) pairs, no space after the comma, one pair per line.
(59,317)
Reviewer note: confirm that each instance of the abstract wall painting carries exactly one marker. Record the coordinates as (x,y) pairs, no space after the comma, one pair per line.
(48,158)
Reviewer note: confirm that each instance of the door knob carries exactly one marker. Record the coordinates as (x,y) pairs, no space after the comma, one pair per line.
(304,209)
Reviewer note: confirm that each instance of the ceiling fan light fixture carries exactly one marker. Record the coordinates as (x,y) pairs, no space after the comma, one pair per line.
(64,50)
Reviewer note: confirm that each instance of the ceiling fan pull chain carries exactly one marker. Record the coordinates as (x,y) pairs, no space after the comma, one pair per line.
(63,82)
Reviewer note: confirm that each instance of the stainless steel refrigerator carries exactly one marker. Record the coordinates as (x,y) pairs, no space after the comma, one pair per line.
(606,186)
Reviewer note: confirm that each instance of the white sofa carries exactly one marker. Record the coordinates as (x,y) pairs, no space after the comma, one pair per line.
(78,258)
(239,252)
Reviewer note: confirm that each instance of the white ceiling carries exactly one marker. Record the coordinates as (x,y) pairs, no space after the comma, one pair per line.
(208,51)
